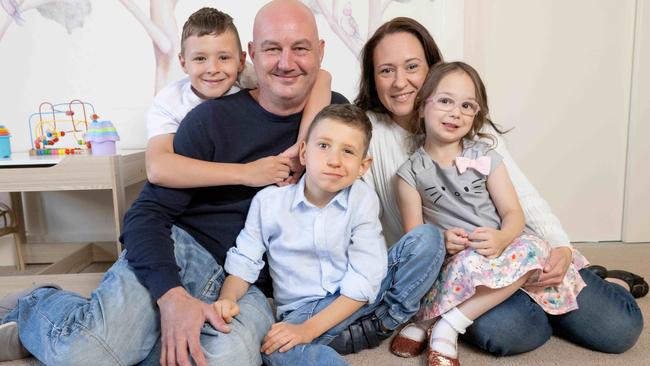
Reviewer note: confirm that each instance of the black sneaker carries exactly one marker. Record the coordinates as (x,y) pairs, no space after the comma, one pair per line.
(599,271)
(638,285)
(363,334)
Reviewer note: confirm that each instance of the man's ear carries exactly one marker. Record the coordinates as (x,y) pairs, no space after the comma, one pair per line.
(251,50)
(301,152)
(321,50)
(365,165)
(242,61)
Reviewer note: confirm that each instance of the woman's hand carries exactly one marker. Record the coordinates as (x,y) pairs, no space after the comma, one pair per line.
(488,242)
(285,336)
(555,267)
(456,240)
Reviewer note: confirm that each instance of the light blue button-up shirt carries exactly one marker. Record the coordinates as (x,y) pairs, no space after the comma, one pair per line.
(312,252)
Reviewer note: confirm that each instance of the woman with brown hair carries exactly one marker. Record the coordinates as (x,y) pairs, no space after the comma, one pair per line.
(395,62)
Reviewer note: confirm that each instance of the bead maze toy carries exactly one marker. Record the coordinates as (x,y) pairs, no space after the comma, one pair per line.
(58,131)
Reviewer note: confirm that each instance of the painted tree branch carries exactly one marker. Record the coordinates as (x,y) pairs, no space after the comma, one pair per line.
(334,24)
(159,39)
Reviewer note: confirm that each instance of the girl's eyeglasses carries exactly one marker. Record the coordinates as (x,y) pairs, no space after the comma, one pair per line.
(447,104)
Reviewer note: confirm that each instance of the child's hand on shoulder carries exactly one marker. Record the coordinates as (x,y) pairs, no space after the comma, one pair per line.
(285,336)
(268,170)
(488,242)
(227,309)
(456,240)
(294,163)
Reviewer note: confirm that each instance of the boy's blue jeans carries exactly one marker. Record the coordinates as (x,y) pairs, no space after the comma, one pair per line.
(120,323)
(413,265)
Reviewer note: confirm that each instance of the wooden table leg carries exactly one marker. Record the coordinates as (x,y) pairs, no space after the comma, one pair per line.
(19,237)
(119,202)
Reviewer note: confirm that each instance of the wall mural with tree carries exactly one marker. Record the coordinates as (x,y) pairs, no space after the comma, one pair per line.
(344,24)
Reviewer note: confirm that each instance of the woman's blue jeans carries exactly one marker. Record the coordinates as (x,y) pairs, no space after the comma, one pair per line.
(608,320)
(120,323)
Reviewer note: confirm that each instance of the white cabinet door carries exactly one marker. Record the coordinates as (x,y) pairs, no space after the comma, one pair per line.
(636,215)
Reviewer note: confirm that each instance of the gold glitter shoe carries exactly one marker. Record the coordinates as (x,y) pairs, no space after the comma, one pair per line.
(403,346)
(435,358)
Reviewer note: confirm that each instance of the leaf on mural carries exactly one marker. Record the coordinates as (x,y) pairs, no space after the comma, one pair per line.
(70,14)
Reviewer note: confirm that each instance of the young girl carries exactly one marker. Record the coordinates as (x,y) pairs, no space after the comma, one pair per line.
(459,183)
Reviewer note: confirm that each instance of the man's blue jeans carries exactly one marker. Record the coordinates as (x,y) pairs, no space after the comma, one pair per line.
(608,320)
(120,323)
(413,265)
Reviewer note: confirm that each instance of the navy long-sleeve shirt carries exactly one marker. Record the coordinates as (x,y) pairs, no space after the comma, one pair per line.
(232,129)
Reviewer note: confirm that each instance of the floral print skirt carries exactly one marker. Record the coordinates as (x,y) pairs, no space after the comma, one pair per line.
(466,270)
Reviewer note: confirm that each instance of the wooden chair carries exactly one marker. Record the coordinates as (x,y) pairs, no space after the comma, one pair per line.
(9,225)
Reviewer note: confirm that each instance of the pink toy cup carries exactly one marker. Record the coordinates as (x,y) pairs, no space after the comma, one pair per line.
(103,148)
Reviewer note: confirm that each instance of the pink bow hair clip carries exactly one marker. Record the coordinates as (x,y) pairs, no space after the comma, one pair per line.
(481,165)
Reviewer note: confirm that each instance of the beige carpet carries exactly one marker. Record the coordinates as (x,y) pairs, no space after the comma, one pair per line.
(633,257)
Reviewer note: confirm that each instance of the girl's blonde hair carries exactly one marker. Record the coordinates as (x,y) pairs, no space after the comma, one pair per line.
(435,75)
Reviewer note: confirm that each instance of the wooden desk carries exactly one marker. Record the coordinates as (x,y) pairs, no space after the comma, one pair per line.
(24,173)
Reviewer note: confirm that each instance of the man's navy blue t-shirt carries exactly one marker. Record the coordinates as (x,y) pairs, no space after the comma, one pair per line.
(232,129)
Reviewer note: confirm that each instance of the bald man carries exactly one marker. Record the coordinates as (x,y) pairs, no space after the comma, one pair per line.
(286,54)
(155,301)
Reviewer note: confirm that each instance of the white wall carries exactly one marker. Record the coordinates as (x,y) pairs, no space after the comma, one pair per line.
(559,73)
(109,61)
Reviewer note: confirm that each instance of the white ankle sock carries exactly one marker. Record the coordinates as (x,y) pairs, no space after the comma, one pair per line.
(457,319)
(444,334)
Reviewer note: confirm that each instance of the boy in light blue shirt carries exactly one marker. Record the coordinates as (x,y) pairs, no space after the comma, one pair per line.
(326,253)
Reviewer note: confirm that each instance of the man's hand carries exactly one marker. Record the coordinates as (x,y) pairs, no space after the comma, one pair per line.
(181,319)
(455,240)
(226,309)
(268,170)
(555,267)
(294,164)
(285,336)
(488,242)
